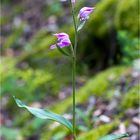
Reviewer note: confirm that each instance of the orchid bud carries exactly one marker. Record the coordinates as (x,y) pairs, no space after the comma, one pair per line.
(85,12)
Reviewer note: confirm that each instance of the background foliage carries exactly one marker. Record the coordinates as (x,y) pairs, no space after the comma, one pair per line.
(41,77)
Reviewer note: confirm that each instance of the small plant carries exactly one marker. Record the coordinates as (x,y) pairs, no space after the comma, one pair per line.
(63,40)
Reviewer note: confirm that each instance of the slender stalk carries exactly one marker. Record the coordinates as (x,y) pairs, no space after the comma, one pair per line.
(74,106)
(74,69)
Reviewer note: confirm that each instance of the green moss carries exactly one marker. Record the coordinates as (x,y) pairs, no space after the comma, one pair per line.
(131,98)
(123,14)
(98,86)
(98,132)
(93,134)
(52,133)
(102,18)
(30,81)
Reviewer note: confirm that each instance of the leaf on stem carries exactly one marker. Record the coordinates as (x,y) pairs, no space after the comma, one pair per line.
(45,114)
(114,137)
(81,25)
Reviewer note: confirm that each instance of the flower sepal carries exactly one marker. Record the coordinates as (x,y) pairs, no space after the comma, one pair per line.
(62,50)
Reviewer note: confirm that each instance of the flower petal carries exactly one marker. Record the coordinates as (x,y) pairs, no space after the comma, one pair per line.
(61,35)
(53,46)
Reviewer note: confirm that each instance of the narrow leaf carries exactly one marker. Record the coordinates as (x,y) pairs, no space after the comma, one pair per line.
(45,114)
(62,51)
(114,137)
(81,25)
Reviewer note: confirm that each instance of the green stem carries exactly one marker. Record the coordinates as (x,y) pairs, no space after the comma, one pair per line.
(75,27)
(74,69)
(74,106)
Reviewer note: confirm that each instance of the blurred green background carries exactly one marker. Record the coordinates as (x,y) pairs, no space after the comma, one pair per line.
(108,69)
